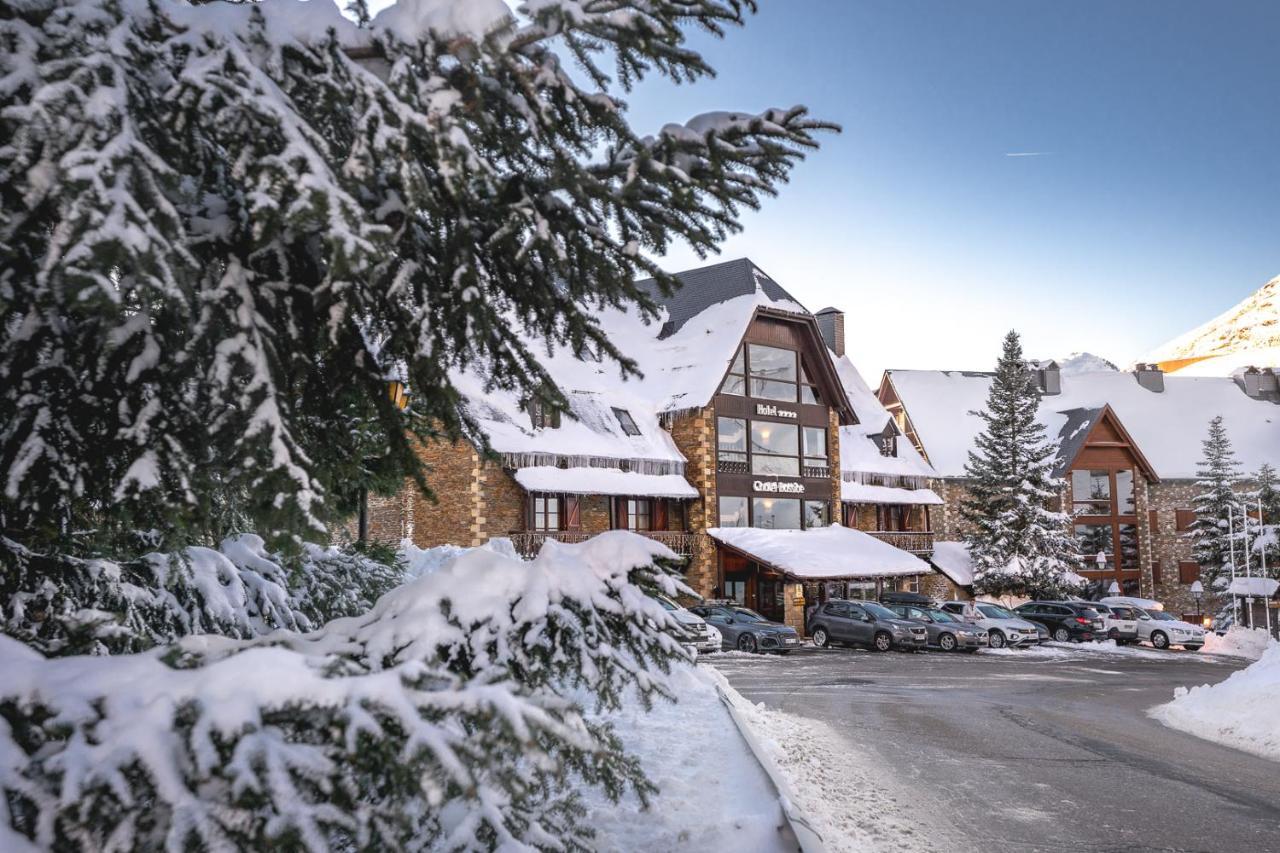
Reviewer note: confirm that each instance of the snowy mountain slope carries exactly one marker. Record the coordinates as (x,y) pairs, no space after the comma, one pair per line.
(1082,362)
(1254,324)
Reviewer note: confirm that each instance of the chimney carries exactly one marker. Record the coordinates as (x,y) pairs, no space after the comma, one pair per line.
(831,325)
(1150,376)
(1260,382)
(1049,377)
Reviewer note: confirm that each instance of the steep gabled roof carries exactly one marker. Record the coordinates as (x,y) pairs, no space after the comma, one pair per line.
(1078,431)
(710,285)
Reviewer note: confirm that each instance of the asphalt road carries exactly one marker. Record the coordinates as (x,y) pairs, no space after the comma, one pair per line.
(1044,750)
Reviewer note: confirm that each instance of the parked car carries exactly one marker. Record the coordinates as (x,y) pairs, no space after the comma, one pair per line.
(946,632)
(747,631)
(1067,621)
(700,636)
(1003,627)
(1119,622)
(865,623)
(1163,630)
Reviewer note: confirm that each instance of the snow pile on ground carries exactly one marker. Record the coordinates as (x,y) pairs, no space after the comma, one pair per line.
(850,802)
(1239,642)
(712,794)
(424,561)
(1240,712)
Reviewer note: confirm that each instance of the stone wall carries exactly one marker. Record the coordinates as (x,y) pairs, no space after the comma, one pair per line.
(452,516)
(947,523)
(695,436)
(502,502)
(940,588)
(1170,546)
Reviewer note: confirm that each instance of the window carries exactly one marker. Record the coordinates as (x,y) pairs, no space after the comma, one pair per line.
(808,391)
(627,422)
(1188,571)
(776,513)
(731,446)
(1124,493)
(733,512)
(1094,539)
(736,591)
(639,514)
(816,514)
(1184,519)
(736,381)
(775,448)
(546,513)
(889,444)
(1128,546)
(542,416)
(1091,492)
(815,452)
(772,373)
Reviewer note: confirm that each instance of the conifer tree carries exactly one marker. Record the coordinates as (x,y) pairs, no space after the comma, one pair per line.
(1018,543)
(1267,493)
(224,225)
(1216,505)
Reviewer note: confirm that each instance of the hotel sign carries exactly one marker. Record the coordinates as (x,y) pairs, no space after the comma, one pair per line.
(776,486)
(773,411)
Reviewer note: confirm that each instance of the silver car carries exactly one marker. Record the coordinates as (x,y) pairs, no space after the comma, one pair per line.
(1003,627)
(747,631)
(947,632)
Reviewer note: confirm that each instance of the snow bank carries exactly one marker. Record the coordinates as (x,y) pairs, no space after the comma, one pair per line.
(824,552)
(1238,642)
(423,561)
(1240,712)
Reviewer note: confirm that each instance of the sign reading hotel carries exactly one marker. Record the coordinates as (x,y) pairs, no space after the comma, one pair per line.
(775,486)
(773,411)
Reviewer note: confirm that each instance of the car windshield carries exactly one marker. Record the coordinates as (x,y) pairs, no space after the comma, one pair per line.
(877,610)
(667,604)
(749,615)
(1160,616)
(995,611)
(942,616)
(1089,613)
(1121,613)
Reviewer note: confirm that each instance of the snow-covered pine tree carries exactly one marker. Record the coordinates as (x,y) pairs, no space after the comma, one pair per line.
(1018,543)
(224,225)
(1216,502)
(1267,492)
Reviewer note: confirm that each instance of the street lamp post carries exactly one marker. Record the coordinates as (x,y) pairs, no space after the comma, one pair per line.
(1114,589)
(1197,592)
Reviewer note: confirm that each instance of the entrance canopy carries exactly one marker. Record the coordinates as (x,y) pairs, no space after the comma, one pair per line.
(604,481)
(1258,587)
(824,553)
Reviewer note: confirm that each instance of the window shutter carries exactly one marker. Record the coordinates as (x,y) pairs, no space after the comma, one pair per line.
(620,513)
(1155,572)
(660,514)
(1188,571)
(1153,520)
(1185,518)
(572,512)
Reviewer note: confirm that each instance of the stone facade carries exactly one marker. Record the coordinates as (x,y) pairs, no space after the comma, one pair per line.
(695,436)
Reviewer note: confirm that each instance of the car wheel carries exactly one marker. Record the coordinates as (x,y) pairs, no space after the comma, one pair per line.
(1114,636)
(882,642)
(784,651)
(1193,648)
(747,643)
(995,639)
(947,642)
(820,638)
(1160,639)
(1062,635)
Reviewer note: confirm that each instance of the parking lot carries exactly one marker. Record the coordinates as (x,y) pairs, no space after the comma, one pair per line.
(1046,749)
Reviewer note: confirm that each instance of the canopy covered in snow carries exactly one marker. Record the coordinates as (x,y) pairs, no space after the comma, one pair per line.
(1167,425)
(862,493)
(823,553)
(952,559)
(1259,587)
(603,481)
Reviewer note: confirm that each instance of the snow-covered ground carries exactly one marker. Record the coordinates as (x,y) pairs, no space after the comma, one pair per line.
(1076,651)
(1241,712)
(713,795)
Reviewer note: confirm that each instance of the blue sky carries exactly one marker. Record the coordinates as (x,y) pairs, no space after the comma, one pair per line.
(1152,208)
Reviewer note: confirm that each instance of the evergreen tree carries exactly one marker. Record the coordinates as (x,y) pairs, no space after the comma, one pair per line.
(1216,503)
(1018,543)
(224,225)
(1267,492)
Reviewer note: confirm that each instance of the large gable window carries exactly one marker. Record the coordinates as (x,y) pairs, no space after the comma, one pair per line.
(775,448)
(736,382)
(773,372)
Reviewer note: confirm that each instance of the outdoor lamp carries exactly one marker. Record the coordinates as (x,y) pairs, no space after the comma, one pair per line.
(1197,592)
(399,396)
(1101,560)
(1114,589)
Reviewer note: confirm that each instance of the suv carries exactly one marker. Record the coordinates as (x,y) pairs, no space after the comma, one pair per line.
(947,632)
(1163,630)
(864,623)
(1119,622)
(698,635)
(1067,621)
(747,631)
(1003,627)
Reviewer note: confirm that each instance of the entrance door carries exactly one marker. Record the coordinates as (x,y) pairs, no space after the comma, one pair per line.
(769,600)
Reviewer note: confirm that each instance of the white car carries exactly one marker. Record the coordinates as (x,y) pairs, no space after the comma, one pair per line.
(1003,627)
(1162,630)
(702,638)
(1119,622)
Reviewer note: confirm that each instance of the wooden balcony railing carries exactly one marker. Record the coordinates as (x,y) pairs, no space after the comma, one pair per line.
(528,543)
(912,541)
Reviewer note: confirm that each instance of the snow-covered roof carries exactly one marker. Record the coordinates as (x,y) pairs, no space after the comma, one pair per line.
(1168,426)
(863,493)
(821,553)
(1260,587)
(603,481)
(952,559)
(859,443)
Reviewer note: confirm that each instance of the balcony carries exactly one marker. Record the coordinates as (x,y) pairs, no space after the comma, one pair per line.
(912,541)
(527,543)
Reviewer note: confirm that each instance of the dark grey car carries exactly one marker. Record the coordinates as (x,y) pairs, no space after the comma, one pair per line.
(747,631)
(946,632)
(865,623)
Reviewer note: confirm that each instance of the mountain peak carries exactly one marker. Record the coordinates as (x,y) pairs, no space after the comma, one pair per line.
(1253,324)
